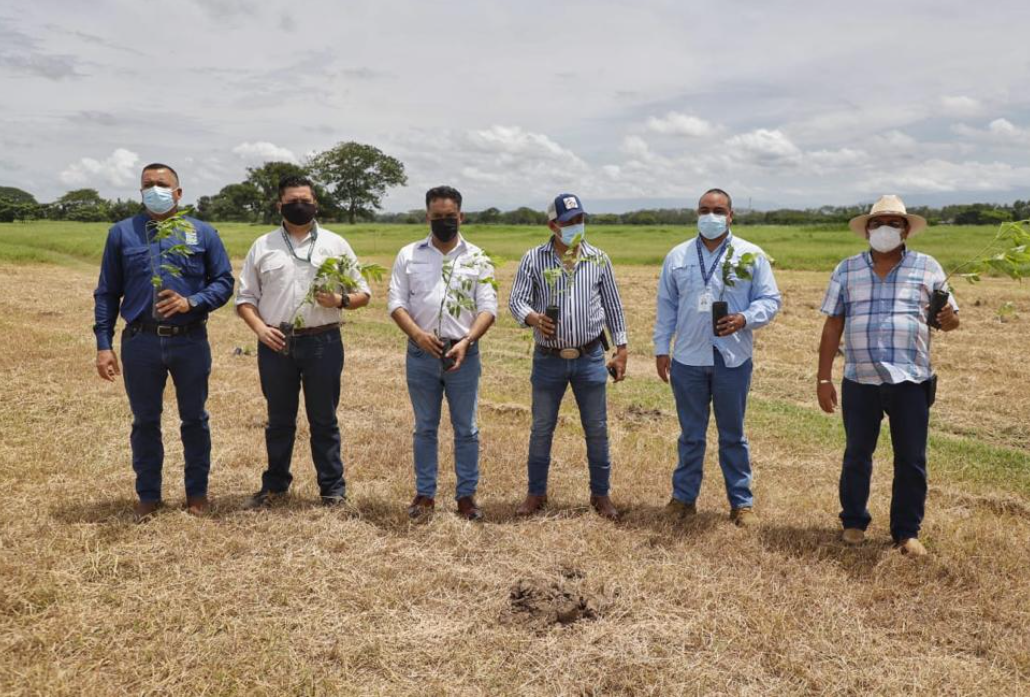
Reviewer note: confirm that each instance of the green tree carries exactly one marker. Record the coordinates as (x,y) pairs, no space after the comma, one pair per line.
(239,202)
(267,177)
(357,177)
(82,205)
(120,210)
(10,194)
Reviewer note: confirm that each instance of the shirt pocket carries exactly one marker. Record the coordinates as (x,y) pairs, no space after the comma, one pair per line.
(273,272)
(193,265)
(136,261)
(421,278)
(688,279)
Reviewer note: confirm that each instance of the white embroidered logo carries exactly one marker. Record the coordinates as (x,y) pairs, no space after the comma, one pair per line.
(570,202)
(191,237)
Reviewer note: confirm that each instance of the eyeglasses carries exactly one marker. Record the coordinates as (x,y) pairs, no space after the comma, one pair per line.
(897,224)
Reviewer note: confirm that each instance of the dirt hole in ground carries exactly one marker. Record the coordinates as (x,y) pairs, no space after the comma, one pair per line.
(563,601)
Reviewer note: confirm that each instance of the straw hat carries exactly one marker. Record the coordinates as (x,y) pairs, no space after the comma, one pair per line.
(889,204)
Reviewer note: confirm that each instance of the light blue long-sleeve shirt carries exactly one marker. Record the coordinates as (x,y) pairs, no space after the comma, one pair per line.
(680,287)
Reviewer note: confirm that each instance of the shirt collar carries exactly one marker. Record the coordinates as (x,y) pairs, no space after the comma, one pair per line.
(311,233)
(427,243)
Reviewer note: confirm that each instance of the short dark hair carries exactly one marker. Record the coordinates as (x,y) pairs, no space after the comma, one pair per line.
(159,165)
(729,200)
(293,181)
(446,192)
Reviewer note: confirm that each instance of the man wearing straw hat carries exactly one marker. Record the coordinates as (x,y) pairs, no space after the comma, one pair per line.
(878,300)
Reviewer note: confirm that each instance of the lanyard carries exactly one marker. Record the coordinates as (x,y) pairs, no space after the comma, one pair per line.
(311,249)
(707,276)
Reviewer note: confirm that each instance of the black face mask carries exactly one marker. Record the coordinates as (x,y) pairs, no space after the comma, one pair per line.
(299,212)
(444,229)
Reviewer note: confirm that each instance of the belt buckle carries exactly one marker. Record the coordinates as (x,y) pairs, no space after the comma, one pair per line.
(569,354)
(165,330)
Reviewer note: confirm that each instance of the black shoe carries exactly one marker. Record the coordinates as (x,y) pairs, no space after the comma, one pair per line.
(264,499)
(334,500)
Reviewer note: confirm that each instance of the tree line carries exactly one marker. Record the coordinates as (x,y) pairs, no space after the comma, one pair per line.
(352,178)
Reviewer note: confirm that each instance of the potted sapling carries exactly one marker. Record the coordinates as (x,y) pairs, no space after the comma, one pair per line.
(570,261)
(182,233)
(731,272)
(460,295)
(1007,253)
(334,275)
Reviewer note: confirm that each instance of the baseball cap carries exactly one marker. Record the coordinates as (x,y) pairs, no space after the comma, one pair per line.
(564,207)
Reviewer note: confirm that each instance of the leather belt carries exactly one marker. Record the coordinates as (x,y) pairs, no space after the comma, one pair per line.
(166,330)
(312,331)
(569,354)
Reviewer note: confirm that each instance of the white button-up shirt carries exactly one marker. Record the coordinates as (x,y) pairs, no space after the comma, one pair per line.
(275,278)
(417,285)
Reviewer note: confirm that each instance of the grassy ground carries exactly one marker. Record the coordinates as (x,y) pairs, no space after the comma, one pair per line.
(299,600)
(795,248)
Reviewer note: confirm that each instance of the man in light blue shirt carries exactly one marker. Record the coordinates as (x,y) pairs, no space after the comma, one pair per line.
(713,292)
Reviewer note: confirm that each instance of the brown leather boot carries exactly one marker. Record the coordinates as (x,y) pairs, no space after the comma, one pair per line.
(532,504)
(468,509)
(197,505)
(604,506)
(144,509)
(421,507)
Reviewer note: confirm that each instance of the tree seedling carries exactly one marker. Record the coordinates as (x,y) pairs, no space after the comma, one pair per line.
(570,262)
(177,229)
(334,275)
(732,271)
(460,296)
(1007,253)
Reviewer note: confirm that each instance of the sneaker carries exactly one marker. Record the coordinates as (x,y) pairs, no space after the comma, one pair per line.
(853,536)
(264,499)
(743,517)
(912,547)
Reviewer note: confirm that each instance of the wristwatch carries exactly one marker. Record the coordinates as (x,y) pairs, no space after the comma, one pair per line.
(192,301)
(344,300)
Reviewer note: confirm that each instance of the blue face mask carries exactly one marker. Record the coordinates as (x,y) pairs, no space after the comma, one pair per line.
(711,226)
(569,233)
(158,200)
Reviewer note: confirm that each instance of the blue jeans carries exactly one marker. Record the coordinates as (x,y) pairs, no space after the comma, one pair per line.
(863,406)
(315,362)
(726,389)
(427,385)
(147,360)
(589,378)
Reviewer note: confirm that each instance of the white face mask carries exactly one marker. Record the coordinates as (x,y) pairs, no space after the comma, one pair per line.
(885,239)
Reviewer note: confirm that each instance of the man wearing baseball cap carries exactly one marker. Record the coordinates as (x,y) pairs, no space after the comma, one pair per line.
(566,291)
(878,300)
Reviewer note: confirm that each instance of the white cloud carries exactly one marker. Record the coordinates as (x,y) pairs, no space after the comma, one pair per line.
(961,106)
(997,131)
(765,147)
(263,151)
(675,123)
(121,168)
(941,176)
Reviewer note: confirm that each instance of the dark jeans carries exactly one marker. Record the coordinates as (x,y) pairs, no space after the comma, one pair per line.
(316,362)
(907,408)
(147,360)
(588,376)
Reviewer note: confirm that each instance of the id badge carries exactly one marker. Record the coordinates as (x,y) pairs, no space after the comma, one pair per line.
(704,302)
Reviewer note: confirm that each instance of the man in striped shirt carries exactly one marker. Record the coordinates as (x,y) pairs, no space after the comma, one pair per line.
(877,300)
(566,291)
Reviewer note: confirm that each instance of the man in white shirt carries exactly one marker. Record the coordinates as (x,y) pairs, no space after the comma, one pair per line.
(276,277)
(442,295)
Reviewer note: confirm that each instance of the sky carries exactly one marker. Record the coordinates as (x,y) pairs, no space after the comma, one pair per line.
(628,104)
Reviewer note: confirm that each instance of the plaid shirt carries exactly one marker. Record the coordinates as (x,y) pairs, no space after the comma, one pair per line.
(886,338)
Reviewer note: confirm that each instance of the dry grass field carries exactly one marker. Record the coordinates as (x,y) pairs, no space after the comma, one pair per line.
(299,600)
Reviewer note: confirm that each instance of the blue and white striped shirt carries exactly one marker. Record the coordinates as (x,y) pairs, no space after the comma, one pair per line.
(591,303)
